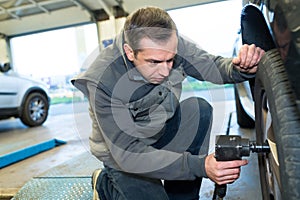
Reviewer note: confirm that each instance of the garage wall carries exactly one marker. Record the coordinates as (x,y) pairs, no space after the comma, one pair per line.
(3,51)
(108,29)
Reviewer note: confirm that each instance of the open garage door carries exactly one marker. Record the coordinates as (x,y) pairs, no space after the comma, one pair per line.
(27,16)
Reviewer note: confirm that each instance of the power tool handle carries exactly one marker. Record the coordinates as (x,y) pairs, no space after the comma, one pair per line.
(219,192)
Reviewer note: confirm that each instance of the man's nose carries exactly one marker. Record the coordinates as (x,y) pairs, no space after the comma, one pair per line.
(164,69)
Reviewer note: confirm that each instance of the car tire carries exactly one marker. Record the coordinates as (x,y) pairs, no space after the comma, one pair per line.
(243,119)
(274,98)
(35,109)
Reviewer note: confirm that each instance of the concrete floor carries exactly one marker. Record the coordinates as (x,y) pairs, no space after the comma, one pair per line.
(70,122)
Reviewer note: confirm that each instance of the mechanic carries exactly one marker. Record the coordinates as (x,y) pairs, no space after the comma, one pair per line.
(282,33)
(152,145)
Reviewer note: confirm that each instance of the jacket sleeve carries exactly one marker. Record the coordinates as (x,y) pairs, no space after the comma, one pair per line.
(129,152)
(207,67)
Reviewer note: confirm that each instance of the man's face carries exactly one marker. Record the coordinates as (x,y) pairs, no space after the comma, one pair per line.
(283,40)
(154,60)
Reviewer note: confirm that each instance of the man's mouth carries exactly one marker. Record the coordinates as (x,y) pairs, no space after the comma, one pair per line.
(158,80)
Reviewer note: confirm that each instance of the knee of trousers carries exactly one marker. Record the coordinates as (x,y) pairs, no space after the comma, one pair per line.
(197,105)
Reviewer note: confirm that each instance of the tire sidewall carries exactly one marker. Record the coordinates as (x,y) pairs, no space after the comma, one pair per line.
(272,80)
(25,114)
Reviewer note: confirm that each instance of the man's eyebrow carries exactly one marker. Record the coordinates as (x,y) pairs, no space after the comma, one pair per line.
(153,60)
(159,61)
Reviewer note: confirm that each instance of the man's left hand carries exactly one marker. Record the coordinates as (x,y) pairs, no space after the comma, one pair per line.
(248,58)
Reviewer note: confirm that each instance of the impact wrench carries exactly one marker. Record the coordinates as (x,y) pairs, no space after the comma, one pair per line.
(234,147)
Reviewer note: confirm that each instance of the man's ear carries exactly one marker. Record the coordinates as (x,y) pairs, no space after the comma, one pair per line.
(129,52)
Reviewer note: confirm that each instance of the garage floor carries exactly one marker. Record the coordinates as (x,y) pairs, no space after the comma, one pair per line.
(70,123)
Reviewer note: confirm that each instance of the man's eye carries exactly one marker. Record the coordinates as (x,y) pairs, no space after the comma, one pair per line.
(170,60)
(155,61)
(158,61)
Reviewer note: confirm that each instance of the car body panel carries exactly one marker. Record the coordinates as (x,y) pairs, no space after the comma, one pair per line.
(8,91)
(246,99)
(13,88)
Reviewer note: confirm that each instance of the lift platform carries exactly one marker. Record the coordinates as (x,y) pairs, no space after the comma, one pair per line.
(71,180)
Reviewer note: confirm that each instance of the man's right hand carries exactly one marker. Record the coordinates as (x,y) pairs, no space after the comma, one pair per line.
(223,172)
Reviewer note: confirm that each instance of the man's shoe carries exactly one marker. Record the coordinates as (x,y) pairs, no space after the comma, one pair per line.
(95,176)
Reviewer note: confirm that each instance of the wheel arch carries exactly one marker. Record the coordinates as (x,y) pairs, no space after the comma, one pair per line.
(254,28)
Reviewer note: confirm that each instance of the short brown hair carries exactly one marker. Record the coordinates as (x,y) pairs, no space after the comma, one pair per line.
(150,22)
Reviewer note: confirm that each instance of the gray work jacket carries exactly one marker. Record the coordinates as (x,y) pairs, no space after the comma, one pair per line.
(128,113)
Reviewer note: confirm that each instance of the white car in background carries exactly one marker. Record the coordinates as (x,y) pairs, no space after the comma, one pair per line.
(22,97)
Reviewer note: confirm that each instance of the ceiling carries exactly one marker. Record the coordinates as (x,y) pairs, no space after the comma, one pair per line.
(19,17)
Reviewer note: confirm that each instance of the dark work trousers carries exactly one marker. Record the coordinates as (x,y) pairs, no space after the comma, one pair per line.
(193,117)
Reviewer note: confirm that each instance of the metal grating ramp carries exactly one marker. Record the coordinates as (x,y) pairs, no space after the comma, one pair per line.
(56,188)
